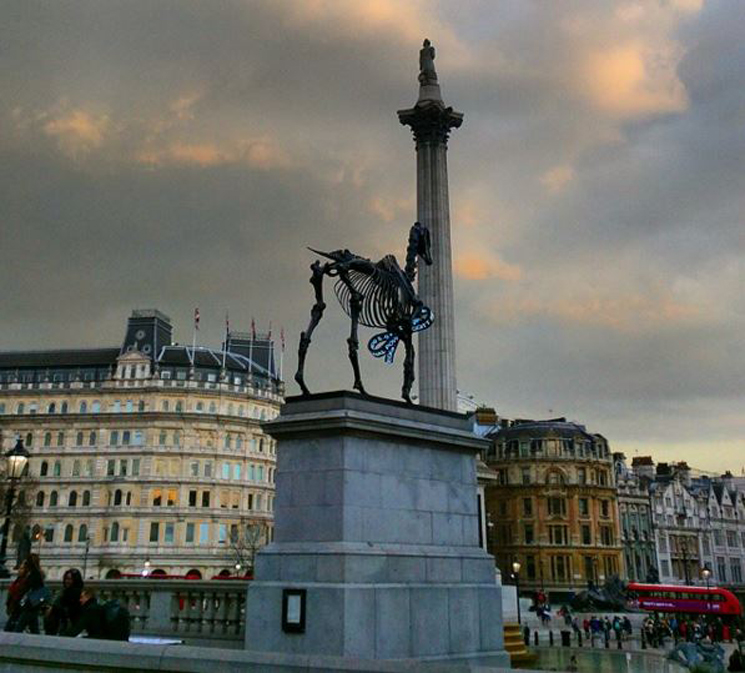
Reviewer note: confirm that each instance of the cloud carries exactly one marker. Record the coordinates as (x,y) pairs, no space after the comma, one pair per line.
(78,131)
(556,178)
(481,266)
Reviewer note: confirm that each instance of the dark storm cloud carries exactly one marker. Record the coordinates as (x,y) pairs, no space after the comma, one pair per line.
(176,154)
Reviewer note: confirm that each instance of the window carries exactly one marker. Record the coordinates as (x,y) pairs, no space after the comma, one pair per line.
(194,468)
(189,533)
(558,535)
(172,497)
(60,439)
(89,467)
(208,469)
(237,471)
(57,468)
(49,533)
(239,442)
(129,498)
(83,407)
(735,570)
(177,438)
(117,497)
(721,569)
(168,537)
(51,408)
(123,468)
(528,533)
(141,405)
(79,439)
(114,438)
(83,533)
(72,500)
(732,540)
(130,406)
(69,531)
(29,440)
(114,535)
(96,407)
(179,407)
(559,568)
(228,442)
(205,498)
(192,498)
(555,478)
(137,438)
(213,408)
(604,509)
(20,408)
(586,534)
(606,535)
(527,507)
(40,499)
(135,467)
(86,498)
(44,469)
(110,468)
(75,468)
(261,473)
(48,439)
(162,438)
(92,438)
(226,471)
(581,475)
(154,531)
(530,567)
(204,533)
(557,506)
(126,436)
(157,497)
(525,475)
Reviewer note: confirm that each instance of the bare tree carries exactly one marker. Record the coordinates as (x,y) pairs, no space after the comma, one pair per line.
(21,509)
(246,540)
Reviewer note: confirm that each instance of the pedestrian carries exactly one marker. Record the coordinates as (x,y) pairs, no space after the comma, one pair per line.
(34,596)
(65,608)
(109,621)
(586,627)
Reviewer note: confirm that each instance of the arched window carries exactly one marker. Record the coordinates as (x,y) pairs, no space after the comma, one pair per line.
(117,498)
(60,439)
(113,574)
(29,440)
(179,407)
(44,469)
(21,408)
(79,439)
(114,535)
(92,438)
(69,531)
(83,533)
(129,498)
(51,408)
(193,574)
(200,407)
(213,408)
(83,407)
(96,407)
(53,499)
(48,439)
(57,468)
(86,498)
(554,477)
(72,500)
(40,499)
(63,408)
(141,405)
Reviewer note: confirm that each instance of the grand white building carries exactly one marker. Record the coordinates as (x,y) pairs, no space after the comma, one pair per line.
(147,456)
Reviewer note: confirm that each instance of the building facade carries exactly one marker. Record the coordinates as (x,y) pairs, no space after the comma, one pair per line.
(554,505)
(148,457)
(637,527)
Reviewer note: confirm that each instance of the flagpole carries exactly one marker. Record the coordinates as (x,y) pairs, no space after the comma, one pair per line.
(281,351)
(251,352)
(194,335)
(227,332)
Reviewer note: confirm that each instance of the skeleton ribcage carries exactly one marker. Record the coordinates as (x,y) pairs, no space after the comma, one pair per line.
(380,296)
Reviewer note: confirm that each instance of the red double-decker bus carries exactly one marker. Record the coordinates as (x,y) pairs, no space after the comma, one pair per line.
(673,598)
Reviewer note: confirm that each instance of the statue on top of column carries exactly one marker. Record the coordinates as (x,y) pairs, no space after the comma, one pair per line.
(427,74)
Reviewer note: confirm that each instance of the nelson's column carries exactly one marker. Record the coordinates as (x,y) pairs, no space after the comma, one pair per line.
(431,121)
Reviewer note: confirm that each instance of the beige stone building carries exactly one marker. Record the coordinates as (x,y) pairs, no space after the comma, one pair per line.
(553,506)
(149,456)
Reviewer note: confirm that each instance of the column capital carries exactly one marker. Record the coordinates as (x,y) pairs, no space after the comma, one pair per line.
(431,121)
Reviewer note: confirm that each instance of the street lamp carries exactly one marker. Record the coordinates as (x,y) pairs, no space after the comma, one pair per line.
(516,573)
(706,574)
(237,569)
(146,571)
(17,459)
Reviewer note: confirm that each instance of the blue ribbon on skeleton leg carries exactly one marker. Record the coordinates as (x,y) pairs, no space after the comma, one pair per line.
(384,345)
(422,319)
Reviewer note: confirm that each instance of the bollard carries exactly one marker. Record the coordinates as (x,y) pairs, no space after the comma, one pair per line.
(551,638)
(526,636)
(607,641)
(579,638)
(535,638)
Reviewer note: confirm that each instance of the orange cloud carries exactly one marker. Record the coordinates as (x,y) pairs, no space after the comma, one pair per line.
(262,154)
(556,178)
(78,131)
(476,266)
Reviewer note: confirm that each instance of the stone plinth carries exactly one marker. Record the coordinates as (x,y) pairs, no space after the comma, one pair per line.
(376,518)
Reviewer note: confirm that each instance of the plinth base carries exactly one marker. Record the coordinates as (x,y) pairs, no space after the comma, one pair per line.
(376,519)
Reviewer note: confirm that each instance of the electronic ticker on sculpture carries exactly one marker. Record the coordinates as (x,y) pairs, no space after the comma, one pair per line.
(375,294)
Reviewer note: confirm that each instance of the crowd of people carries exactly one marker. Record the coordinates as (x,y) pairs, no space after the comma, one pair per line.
(73,611)
(693,628)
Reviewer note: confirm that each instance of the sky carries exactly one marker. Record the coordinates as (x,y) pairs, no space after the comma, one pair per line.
(177,154)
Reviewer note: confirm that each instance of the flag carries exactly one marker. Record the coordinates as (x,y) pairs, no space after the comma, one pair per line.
(253,329)
(282,337)
(196,318)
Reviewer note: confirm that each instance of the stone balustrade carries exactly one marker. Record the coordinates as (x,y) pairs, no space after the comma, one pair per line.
(199,612)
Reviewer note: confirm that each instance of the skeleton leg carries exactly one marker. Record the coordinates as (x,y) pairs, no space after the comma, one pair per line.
(408,367)
(355,307)
(316,313)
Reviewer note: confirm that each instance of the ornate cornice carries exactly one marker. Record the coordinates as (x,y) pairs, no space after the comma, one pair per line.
(431,122)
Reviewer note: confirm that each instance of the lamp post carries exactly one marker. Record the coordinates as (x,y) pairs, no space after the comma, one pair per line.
(516,573)
(146,570)
(237,569)
(85,558)
(706,574)
(17,459)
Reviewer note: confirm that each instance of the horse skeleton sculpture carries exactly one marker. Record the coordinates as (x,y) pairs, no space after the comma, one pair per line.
(375,294)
